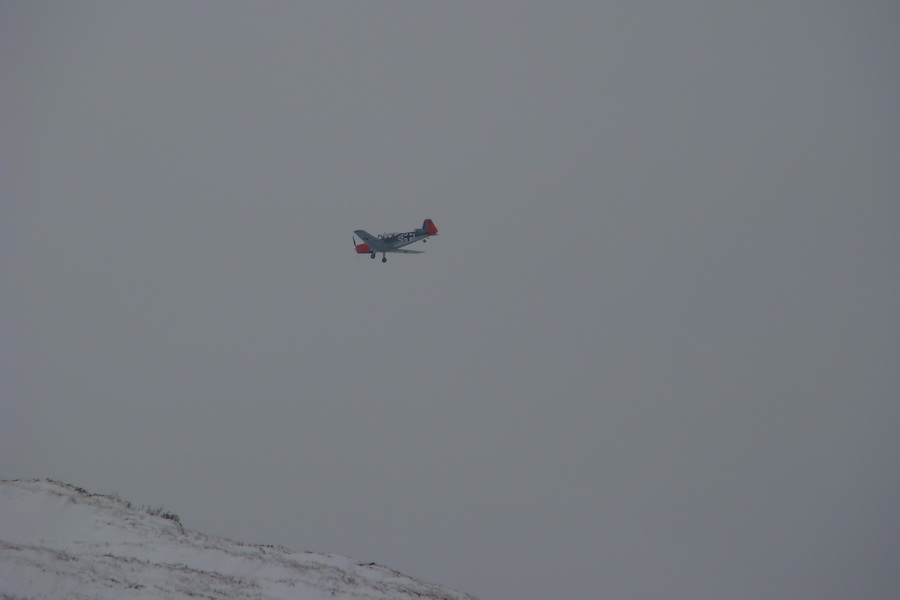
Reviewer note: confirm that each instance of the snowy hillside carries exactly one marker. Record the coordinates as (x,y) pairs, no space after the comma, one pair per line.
(59,541)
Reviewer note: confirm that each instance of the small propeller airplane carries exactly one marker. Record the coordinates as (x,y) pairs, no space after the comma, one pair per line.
(393,242)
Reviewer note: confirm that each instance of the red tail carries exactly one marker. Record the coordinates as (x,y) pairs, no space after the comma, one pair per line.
(430,227)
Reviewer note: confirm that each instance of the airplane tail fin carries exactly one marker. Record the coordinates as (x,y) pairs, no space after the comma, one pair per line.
(430,227)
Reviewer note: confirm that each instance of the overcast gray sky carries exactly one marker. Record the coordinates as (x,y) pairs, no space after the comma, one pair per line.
(653,352)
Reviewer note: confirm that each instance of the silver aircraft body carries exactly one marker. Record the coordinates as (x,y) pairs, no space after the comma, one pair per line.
(393,242)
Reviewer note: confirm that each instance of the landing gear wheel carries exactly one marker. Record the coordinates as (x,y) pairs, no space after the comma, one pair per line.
(384,259)
(372,255)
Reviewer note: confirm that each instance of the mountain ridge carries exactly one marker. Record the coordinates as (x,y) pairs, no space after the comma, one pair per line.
(58,540)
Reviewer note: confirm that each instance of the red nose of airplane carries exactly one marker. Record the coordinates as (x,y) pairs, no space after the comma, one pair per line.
(363,249)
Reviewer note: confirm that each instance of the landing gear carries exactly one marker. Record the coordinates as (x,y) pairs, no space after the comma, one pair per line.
(372,255)
(384,259)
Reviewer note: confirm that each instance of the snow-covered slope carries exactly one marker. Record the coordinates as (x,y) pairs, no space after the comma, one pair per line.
(60,541)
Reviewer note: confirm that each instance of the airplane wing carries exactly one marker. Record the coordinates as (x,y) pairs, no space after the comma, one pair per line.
(372,241)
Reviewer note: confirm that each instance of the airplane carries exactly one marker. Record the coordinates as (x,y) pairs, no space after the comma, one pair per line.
(393,242)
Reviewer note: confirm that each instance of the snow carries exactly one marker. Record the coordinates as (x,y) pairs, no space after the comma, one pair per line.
(60,541)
